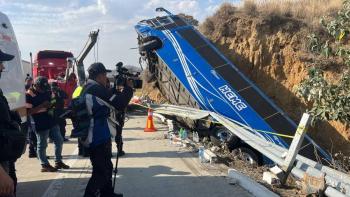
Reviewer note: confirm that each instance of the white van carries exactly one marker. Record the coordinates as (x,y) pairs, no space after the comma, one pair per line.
(12,79)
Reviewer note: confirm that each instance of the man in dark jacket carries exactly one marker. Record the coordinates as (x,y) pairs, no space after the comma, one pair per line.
(59,96)
(38,101)
(122,85)
(30,126)
(100,146)
(8,179)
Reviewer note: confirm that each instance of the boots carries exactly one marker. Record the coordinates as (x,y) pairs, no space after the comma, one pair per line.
(61,165)
(48,168)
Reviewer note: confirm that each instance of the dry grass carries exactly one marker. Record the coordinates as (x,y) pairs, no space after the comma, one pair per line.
(217,21)
(250,6)
(310,11)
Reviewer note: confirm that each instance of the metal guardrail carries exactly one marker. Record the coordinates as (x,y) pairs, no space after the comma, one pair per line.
(338,183)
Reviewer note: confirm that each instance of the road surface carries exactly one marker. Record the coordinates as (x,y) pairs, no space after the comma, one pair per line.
(151,167)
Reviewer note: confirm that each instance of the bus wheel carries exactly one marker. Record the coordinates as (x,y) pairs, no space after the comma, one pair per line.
(249,156)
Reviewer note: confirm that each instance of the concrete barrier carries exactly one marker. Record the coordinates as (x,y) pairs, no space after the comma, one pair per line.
(331,192)
(250,185)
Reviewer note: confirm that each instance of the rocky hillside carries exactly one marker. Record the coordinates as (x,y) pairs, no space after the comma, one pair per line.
(268,43)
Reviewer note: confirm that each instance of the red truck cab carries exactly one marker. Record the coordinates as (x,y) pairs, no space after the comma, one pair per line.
(50,64)
(53,64)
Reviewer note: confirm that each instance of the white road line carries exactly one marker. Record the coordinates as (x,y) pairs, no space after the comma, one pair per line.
(56,185)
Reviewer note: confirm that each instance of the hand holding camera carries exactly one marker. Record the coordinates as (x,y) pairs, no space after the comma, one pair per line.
(125,78)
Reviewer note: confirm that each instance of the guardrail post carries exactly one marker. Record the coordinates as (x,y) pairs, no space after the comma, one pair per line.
(295,146)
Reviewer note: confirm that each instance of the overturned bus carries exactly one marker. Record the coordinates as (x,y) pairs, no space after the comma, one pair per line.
(191,71)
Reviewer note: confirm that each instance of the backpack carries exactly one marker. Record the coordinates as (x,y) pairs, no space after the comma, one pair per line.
(81,117)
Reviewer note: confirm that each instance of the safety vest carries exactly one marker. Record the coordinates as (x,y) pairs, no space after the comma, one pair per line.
(77,92)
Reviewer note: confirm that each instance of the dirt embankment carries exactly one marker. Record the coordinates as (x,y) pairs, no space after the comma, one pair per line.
(270,50)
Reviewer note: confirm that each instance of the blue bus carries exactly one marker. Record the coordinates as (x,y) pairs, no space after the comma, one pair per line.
(192,71)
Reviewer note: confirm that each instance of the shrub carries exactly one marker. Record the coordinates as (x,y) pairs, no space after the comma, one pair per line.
(330,101)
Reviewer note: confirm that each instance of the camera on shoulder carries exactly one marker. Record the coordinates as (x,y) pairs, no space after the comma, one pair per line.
(123,75)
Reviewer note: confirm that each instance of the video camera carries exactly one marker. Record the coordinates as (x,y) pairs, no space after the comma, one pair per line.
(123,75)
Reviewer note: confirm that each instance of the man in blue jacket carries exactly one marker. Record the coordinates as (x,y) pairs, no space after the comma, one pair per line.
(99,141)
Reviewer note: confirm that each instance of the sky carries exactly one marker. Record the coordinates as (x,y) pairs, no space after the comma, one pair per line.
(65,24)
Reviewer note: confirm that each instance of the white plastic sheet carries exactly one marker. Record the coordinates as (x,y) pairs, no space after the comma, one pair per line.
(12,79)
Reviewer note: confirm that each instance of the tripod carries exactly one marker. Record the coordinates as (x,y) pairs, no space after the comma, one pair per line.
(115,171)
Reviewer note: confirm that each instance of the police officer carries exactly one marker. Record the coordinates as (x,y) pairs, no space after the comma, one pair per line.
(8,179)
(101,148)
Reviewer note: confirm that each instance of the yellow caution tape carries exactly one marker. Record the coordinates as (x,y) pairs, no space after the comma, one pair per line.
(277,134)
(341,35)
(300,129)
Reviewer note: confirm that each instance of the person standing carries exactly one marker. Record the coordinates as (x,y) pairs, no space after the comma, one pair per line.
(30,125)
(8,120)
(58,109)
(100,146)
(32,137)
(123,87)
(38,101)
(28,82)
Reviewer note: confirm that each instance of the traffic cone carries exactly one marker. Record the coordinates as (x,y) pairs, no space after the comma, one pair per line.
(149,125)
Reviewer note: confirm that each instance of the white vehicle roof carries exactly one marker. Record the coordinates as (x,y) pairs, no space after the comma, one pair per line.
(12,79)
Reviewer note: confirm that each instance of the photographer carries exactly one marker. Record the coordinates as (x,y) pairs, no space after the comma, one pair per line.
(122,85)
(100,147)
(124,82)
(10,135)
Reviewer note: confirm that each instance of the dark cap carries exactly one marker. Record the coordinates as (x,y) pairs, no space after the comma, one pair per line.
(42,83)
(97,68)
(5,56)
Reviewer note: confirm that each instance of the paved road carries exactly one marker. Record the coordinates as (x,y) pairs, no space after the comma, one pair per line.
(152,167)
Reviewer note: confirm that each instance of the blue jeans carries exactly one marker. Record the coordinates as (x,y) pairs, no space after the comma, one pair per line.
(56,137)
